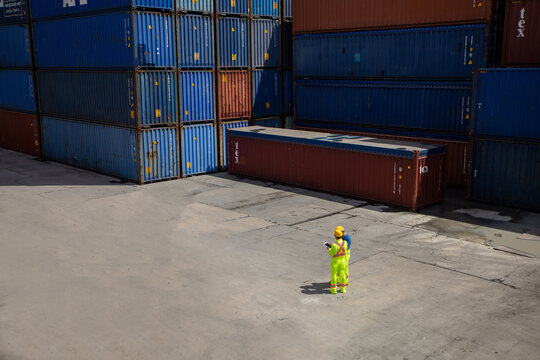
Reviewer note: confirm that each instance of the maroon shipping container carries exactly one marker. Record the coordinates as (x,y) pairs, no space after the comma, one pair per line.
(20,132)
(234,94)
(456,151)
(522,33)
(405,174)
(346,15)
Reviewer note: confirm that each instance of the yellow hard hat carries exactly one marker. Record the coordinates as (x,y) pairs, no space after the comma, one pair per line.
(340,228)
(338,233)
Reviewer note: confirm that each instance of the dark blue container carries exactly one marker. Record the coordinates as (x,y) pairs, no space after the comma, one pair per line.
(195,41)
(123,40)
(17,90)
(287,9)
(15,46)
(199,149)
(204,6)
(266,43)
(506,173)
(13,12)
(239,7)
(435,52)
(507,103)
(197,96)
(269,122)
(288,90)
(131,99)
(233,43)
(265,8)
(287,44)
(54,8)
(437,106)
(266,93)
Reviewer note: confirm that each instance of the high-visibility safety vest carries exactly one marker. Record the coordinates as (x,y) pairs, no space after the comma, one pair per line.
(342,251)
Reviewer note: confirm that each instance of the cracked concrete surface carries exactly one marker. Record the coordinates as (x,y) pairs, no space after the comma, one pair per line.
(217,267)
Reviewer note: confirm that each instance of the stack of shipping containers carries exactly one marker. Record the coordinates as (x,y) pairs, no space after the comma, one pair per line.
(287,64)
(505,141)
(19,126)
(393,69)
(108,85)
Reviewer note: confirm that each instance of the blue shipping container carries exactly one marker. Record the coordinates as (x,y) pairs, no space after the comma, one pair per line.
(15,48)
(205,6)
(266,93)
(436,52)
(507,103)
(118,40)
(288,89)
(506,173)
(13,12)
(287,9)
(47,9)
(266,7)
(17,90)
(199,149)
(270,122)
(224,127)
(197,96)
(233,42)
(266,43)
(131,99)
(437,106)
(137,155)
(289,122)
(195,41)
(233,7)
(287,44)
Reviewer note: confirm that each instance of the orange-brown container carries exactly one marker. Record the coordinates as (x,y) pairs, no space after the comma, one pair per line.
(20,132)
(522,33)
(346,15)
(234,94)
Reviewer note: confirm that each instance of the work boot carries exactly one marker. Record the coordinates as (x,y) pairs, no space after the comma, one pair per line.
(343,290)
(333,291)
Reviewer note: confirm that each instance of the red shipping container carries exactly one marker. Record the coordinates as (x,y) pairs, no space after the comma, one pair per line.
(20,132)
(522,33)
(405,174)
(347,15)
(456,151)
(234,94)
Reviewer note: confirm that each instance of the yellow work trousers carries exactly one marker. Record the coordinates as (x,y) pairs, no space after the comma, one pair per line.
(339,274)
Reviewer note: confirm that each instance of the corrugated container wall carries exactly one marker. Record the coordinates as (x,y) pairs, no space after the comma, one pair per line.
(15,48)
(330,16)
(506,173)
(437,106)
(132,99)
(287,9)
(199,149)
(205,6)
(17,92)
(239,7)
(233,42)
(117,40)
(288,89)
(141,156)
(522,33)
(410,175)
(20,132)
(266,93)
(13,12)
(234,91)
(266,43)
(223,138)
(270,122)
(197,96)
(195,41)
(435,52)
(507,103)
(47,9)
(265,7)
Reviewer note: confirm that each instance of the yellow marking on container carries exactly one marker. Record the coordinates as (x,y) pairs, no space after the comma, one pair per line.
(195,138)
(268,105)
(149,27)
(156,83)
(234,86)
(194,1)
(480,4)
(187,112)
(195,28)
(196,56)
(189,165)
(467,117)
(132,114)
(129,38)
(223,78)
(471,49)
(275,5)
(158,113)
(129,44)
(400,177)
(148,170)
(155,142)
(409,167)
(193,84)
(470,62)
(233,3)
(266,56)
(36,143)
(266,31)
(232,29)
(233,57)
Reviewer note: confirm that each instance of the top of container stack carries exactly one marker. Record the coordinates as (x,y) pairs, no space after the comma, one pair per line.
(13,12)
(315,16)
(44,9)
(266,8)
(197,6)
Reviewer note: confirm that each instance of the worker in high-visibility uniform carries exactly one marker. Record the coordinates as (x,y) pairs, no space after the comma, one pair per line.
(338,252)
(347,238)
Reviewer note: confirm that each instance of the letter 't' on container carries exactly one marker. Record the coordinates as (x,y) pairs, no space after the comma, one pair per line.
(233,43)
(234,94)
(195,42)
(223,138)
(17,90)
(266,43)
(405,174)
(522,33)
(15,48)
(265,8)
(266,93)
(204,6)
(197,96)
(239,7)
(20,132)
(13,12)
(199,149)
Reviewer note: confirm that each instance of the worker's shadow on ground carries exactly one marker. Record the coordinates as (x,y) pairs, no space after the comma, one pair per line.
(316,288)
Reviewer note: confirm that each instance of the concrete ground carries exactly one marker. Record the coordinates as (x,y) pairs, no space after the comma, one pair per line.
(217,267)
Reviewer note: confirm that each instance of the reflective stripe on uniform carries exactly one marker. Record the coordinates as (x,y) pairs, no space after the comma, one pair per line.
(341,251)
(333,286)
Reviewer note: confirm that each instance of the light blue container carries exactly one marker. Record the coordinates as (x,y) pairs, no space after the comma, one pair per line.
(107,41)
(15,46)
(265,8)
(204,6)
(197,96)
(269,122)
(507,103)
(137,155)
(195,41)
(224,127)
(132,99)
(239,7)
(266,43)
(233,43)
(266,93)
(13,12)
(17,90)
(199,149)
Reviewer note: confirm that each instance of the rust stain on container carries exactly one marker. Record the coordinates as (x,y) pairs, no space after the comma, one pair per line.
(343,15)
(20,132)
(234,89)
(522,33)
